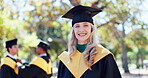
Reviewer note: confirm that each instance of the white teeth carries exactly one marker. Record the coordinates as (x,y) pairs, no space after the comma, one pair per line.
(82,34)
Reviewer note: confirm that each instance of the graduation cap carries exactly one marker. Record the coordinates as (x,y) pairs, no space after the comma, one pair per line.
(11,43)
(44,45)
(81,14)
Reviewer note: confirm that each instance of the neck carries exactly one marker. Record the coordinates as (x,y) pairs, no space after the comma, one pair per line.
(80,42)
(10,55)
(43,54)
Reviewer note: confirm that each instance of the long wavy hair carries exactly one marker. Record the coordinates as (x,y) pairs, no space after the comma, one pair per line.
(90,50)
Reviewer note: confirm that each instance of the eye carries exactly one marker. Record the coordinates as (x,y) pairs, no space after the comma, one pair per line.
(15,46)
(77,26)
(85,25)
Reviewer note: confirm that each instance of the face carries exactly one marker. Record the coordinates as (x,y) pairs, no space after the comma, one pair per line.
(82,31)
(13,50)
(39,50)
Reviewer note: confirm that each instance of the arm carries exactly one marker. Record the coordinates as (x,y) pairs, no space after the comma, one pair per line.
(29,72)
(63,71)
(61,65)
(5,72)
(111,68)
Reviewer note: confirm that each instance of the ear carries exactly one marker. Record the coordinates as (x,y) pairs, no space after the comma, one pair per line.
(40,49)
(92,28)
(9,49)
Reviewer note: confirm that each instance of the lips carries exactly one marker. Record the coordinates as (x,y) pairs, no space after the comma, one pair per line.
(82,34)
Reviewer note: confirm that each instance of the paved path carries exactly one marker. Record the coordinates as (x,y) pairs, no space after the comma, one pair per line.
(134,75)
(126,76)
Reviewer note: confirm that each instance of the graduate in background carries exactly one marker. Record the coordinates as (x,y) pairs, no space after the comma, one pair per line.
(9,66)
(86,58)
(41,66)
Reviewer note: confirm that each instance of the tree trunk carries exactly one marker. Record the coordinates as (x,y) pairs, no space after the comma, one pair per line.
(124,58)
(124,53)
(137,60)
(142,65)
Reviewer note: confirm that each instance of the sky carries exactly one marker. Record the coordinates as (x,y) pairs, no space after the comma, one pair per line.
(145,11)
(142,17)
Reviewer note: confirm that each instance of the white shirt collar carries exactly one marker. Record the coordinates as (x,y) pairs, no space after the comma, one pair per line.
(11,56)
(42,55)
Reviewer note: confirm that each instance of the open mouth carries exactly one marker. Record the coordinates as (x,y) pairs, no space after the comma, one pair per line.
(82,34)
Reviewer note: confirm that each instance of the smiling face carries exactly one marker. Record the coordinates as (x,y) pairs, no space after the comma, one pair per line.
(82,31)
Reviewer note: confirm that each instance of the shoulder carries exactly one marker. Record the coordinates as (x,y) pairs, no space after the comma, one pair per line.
(102,50)
(100,47)
(7,58)
(10,58)
(29,67)
(106,60)
(65,54)
(102,53)
(46,58)
(5,67)
(108,57)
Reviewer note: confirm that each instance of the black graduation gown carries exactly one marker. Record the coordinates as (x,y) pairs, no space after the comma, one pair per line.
(105,68)
(7,72)
(34,71)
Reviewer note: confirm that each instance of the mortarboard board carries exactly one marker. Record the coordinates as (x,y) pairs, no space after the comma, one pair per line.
(81,14)
(44,45)
(11,43)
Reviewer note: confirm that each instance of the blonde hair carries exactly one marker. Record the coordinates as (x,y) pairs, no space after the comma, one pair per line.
(90,50)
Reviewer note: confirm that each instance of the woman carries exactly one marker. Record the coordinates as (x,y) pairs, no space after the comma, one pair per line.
(85,57)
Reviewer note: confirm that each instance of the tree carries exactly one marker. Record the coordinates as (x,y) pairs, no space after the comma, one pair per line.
(138,39)
(42,20)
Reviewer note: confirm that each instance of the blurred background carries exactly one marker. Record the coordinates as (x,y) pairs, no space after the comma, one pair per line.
(122,28)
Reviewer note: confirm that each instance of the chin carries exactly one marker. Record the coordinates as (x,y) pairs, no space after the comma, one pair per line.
(82,40)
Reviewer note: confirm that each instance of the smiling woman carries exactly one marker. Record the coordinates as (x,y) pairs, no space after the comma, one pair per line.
(82,31)
(86,58)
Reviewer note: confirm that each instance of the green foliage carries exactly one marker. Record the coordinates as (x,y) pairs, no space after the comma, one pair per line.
(137,42)
(10,29)
(42,21)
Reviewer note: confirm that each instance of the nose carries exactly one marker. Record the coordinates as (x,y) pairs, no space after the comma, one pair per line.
(81,28)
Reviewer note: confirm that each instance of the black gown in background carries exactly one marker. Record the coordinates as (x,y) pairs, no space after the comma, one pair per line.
(7,72)
(33,71)
(105,68)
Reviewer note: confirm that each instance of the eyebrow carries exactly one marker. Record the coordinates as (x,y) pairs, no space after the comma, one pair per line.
(76,24)
(86,23)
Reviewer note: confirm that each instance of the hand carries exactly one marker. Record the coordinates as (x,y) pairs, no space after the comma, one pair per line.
(18,60)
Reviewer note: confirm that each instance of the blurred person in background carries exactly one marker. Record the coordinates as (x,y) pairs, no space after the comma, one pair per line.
(9,63)
(41,66)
